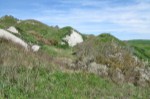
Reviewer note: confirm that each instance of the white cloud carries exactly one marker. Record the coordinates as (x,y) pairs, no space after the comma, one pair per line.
(125,18)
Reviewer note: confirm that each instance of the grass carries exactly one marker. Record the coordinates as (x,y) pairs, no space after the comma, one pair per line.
(33,31)
(36,32)
(30,75)
(141,48)
(106,37)
(36,76)
(7,21)
(55,51)
(22,83)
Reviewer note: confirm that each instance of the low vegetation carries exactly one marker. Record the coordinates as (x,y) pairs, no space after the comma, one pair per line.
(48,73)
(106,49)
(32,76)
(141,48)
(7,21)
(111,58)
(36,32)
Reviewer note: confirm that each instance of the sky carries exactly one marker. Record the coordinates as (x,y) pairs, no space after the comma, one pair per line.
(125,19)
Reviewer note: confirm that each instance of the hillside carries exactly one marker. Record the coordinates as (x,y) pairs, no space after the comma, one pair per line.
(109,57)
(92,67)
(36,75)
(141,48)
(35,32)
(7,21)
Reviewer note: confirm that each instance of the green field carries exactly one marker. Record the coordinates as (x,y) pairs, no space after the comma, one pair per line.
(141,48)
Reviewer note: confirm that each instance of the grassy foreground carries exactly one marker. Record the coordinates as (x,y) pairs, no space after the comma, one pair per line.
(25,75)
(40,83)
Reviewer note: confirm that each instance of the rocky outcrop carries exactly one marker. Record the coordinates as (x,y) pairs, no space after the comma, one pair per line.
(73,39)
(133,75)
(117,76)
(8,36)
(143,76)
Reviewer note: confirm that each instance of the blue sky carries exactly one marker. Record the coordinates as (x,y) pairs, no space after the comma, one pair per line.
(126,19)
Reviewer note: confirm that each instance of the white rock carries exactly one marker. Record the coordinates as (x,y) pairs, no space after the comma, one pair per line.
(13,30)
(8,36)
(73,39)
(144,73)
(35,48)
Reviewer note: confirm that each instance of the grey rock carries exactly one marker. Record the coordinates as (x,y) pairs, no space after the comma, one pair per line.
(118,76)
(144,76)
(99,69)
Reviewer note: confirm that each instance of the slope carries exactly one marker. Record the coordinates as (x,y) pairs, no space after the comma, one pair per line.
(36,76)
(141,48)
(45,74)
(35,32)
(7,21)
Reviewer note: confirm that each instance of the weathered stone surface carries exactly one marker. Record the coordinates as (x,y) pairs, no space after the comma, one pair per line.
(8,36)
(73,39)
(117,76)
(13,30)
(35,48)
(99,69)
(143,76)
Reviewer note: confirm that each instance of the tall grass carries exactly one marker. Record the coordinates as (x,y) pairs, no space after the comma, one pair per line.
(26,75)
(42,83)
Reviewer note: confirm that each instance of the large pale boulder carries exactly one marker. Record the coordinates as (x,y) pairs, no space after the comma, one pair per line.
(8,36)
(13,30)
(73,39)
